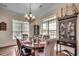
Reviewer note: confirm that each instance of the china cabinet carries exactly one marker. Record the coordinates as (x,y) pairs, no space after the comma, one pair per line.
(67,33)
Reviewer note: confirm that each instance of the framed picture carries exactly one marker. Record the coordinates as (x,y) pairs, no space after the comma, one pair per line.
(2,26)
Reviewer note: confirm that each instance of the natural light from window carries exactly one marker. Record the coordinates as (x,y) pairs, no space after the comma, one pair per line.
(49,27)
(20,27)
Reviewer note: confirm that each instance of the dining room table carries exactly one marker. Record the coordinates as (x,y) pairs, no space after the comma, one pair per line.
(34,46)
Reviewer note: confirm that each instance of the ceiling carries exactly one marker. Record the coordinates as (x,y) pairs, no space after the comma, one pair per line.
(38,9)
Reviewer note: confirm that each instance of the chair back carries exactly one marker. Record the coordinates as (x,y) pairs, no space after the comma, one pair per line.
(25,36)
(49,49)
(19,45)
(46,37)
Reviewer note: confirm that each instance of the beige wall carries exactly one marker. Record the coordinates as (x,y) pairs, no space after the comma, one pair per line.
(6,36)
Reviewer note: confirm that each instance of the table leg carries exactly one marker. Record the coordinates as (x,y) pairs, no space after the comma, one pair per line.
(36,53)
(33,52)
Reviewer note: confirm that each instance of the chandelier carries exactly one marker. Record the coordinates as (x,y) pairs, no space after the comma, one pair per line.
(29,17)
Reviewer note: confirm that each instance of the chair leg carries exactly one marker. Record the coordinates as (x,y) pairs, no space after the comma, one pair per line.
(17,52)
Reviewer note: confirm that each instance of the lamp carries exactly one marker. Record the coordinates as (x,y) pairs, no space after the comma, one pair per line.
(29,17)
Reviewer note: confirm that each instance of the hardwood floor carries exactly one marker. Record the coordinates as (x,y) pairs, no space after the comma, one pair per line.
(10,51)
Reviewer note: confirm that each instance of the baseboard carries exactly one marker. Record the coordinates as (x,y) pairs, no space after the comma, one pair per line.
(8,46)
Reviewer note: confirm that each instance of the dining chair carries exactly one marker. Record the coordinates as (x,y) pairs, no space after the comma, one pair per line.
(25,36)
(46,37)
(19,46)
(22,50)
(49,49)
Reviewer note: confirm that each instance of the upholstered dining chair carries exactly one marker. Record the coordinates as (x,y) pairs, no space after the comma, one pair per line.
(22,50)
(49,49)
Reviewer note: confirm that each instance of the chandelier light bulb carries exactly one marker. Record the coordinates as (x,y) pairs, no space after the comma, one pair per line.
(30,15)
(28,18)
(33,17)
(26,15)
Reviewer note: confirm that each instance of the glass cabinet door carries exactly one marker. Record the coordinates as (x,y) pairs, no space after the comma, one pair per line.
(62,29)
(71,29)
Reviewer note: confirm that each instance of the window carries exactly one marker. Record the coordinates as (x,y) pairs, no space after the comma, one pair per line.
(52,28)
(49,27)
(20,27)
(45,28)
